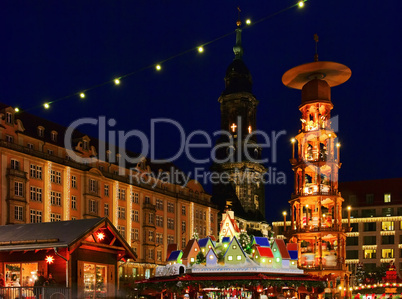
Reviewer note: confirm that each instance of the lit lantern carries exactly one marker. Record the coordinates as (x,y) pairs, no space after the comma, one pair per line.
(49,259)
(100,236)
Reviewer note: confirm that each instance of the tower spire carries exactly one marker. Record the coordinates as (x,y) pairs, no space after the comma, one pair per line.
(316,47)
(238,49)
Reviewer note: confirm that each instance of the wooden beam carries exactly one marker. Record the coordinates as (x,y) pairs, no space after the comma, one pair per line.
(113,240)
(103,246)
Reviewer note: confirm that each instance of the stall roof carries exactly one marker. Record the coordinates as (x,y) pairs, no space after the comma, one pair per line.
(33,236)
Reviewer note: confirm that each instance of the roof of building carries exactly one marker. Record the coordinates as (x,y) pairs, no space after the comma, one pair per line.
(282,248)
(189,246)
(292,246)
(261,241)
(203,242)
(293,254)
(265,252)
(33,236)
(170,248)
(226,240)
(174,255)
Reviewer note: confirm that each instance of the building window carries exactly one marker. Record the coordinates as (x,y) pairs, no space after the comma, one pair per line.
(369,198)
(151,256)
(230,258)
(93,186)
(55,217)
(352,199)
(73,202)
(147,200)
(55,177)
(159,204)
(387,253)
(50,152)
(388,240)
(121,212)
(183,226)
(30,146)
(18,189)
(136,197)
(387,212)
(15,164)
(159,221)
(159,255)
(159,238)
(136,216)
(9,118)
(106,190)
(136,234)
(387,197)
(183,242)
(18,213)
(41,131)
(370,227)
(92,206)
(106,209)
(151,236)
(170,223)
(151,218)
(183,210)
(205,216)
(369,240)
(368,213)
(387,225)
(36,216)
(170,239)
(121,194)
(36,194)
(352,241)
(9,139)
(352,254)
(85,145)
(36,172)
(370,253)
(53,136)
(212,218)
(122,231)
(55,198)
(73,181)
(170,207)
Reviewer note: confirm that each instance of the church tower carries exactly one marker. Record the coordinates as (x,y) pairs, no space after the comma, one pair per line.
(237,150)
(316,204)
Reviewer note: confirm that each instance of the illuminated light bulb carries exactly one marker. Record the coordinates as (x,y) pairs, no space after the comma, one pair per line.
(293,140)
(301,4)
(82,95)
(46,105)
(16,109)
(117,81)
(284,213)
(338,144)
(158,67)
(201,49)
(248,21)
(349,208)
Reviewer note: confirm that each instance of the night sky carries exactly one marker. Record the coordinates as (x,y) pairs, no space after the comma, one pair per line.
(54,49)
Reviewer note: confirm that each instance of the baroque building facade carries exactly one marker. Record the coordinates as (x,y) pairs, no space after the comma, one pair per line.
(40,182)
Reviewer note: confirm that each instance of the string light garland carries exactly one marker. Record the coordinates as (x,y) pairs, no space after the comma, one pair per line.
(158,67)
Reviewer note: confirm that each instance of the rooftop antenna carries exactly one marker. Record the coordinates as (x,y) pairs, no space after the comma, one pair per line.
(316,47)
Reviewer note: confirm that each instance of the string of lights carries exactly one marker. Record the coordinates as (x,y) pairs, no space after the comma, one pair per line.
(157,66)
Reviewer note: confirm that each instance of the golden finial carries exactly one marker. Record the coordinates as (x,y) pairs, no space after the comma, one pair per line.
(316,47)
(238,22)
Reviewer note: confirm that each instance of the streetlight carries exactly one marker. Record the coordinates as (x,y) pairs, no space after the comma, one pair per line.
(349,208)
(284,220)
(293,140)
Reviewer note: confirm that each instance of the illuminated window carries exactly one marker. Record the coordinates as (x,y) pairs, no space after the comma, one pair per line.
(387,253)
(387,197)
(278,259)
(238,257)
(211,257)
(230,258)
(234,246)
(369,198)
(387,225)
(192,260)
(370,253)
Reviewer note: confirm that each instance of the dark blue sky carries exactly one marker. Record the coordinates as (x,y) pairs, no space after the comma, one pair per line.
(53,49)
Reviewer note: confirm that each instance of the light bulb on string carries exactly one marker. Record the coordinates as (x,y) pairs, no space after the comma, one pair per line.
(82,95)
(117,81)
(301,4)
(248,21)
(200,49)
(46,105)
(16,109)
(158,67)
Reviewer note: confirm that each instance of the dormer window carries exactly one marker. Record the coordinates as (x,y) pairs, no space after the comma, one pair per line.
(9,118)
(53,136)
(85,145)
(41,131)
